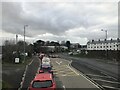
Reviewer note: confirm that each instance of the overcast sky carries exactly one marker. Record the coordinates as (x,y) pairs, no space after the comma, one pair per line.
(74,21)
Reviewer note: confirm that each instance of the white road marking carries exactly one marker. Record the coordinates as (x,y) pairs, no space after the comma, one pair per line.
(64,87)
(84,76)
(55,73)
(97,75)
(59,62)
(61,71)
(106,81)
(72,70)
(77,72)
(64,75)
(30,62)
(89,80)
(21,84)
(110,87)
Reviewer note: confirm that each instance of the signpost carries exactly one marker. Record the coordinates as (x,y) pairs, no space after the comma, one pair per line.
(17,60)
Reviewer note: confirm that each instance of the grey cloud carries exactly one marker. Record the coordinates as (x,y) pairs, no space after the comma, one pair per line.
(55,18)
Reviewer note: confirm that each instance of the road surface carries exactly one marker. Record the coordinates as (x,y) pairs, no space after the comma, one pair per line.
(104,73)
(30,73)
(109,68)
(69,78)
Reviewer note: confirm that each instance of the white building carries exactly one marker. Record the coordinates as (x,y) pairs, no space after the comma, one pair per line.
(104,45)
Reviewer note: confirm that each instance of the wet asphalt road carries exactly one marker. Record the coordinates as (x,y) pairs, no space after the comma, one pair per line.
(69,78)
(107,67)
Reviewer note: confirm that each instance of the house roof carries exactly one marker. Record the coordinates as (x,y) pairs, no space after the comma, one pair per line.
(105,41)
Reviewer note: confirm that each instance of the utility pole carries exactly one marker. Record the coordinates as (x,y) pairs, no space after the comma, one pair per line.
(16,45)
(16,38)
(24,41)
(106,41)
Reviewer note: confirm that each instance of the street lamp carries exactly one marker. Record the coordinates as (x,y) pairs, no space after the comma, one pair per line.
(106,39)
(24,40)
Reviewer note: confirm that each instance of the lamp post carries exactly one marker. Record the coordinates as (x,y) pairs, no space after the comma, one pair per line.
(24,40)
(118,48)
(106,40)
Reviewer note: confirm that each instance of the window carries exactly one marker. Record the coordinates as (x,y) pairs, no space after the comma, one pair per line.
(42,84)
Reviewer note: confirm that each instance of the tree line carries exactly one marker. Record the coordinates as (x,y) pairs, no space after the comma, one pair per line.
(10,50)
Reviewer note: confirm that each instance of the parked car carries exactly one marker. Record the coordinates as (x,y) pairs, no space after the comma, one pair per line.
(44,70)
(70,53)
(54,56)
(41,56)
(43,81)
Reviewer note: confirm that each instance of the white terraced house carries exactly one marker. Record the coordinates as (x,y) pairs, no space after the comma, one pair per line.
(104,44)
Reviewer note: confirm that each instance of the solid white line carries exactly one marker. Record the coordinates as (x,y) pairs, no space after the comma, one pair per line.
(21,84)
(23,78)
(72,70)
(89,80)
(30,62)
(83,75)
(24,75)
(38,70)
(64,87)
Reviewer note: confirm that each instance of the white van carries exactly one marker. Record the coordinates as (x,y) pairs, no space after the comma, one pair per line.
(46,63)
(46,60)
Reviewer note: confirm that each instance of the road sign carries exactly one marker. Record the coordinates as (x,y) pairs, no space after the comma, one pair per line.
(17,60)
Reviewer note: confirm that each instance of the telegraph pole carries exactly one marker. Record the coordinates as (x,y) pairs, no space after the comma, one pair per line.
(106,40)
(24,41)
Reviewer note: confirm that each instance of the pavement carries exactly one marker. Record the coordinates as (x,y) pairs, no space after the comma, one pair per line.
(69,78)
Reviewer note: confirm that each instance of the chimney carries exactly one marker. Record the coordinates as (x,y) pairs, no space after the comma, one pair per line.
(118,39)
(111,39)
(92,40)
(99,40)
